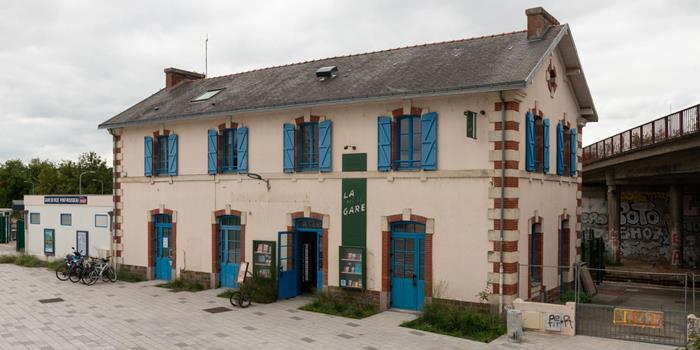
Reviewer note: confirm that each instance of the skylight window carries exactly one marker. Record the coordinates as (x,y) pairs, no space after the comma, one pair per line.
(207,95)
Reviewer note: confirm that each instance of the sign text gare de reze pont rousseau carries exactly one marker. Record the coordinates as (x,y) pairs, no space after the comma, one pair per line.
(65,200)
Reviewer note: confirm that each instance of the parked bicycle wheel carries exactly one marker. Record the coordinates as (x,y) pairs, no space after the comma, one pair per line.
(75,274)
(244,300)
(235,298)
(91,277)
(109,275)
(62,273)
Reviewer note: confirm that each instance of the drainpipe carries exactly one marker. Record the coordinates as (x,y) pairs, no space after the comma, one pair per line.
(503,195)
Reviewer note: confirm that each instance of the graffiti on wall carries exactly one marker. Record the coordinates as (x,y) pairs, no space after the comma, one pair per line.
(644,226)
(594,217)
(691,229)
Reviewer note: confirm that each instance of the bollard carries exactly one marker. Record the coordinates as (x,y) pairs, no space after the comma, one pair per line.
(514,322)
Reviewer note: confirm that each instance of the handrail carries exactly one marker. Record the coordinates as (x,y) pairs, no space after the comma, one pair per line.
(666,128)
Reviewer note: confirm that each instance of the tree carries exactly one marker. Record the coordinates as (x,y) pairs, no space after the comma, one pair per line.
(45,177)
(13,185)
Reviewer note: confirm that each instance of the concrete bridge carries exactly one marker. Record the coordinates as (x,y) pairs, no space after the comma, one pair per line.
(641,190)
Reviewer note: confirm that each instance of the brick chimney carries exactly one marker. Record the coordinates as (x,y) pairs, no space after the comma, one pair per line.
(538,22)
(174,76)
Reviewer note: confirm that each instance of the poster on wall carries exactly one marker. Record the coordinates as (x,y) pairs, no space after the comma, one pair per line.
(82,242)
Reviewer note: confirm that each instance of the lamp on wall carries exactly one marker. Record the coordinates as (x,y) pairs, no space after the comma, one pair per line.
(350,146)
(258,177)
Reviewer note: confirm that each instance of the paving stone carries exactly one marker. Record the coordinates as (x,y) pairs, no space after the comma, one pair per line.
(163,323)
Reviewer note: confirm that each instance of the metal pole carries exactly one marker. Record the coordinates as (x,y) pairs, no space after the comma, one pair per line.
(80,180)
(685,295)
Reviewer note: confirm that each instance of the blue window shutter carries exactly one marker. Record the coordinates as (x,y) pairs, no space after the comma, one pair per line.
(288,151)
(242,139)
(429,141)
(529,141)
(147,156)
(574,146)
(172,154)
(560,149)
(212,151)
(383,143)
(325,141)
(545,145)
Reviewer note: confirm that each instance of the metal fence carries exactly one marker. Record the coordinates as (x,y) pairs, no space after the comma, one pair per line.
(677,124)
(634,305)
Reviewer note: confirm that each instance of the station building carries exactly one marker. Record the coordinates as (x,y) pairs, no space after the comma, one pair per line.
(57,223)
(430,171)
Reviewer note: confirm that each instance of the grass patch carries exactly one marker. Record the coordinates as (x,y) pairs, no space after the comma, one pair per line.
(443,318)
(180,285)
(583,298)
(30,261)
(326,304)
(128,276)
(263,290)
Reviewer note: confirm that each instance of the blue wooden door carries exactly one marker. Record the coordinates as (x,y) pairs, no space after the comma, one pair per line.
(163,251)
(288,281)
(229,255)
(407,270)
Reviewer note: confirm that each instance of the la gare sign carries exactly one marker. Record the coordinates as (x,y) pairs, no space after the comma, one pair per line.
(351,205)
(71,200)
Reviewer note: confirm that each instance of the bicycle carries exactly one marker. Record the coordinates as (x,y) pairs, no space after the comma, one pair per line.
(100,269)
(63,271)
(242,297)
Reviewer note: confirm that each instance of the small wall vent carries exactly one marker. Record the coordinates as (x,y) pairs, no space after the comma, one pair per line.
(325,73)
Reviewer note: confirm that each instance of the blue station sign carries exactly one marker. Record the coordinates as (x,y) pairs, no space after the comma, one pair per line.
(65,200)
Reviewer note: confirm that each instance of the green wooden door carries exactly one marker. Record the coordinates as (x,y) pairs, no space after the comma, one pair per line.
(20,235)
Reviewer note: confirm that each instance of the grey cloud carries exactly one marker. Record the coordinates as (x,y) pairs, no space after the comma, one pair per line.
(67,66)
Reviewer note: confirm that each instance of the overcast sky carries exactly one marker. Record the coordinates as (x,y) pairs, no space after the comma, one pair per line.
(66,66)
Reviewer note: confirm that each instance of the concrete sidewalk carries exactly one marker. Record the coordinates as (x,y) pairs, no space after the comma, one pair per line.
(143,316)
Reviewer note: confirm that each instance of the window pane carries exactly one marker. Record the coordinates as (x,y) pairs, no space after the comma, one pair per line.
(66,219)
(162,155)
(421,258)
(315,144)
(34,218)
(101,220)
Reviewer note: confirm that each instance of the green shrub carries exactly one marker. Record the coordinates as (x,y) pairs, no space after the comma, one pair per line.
(263,290)
(30,261)
(8,259)
(355,308)
(128,276)
(180,285)
(693,342)
(443,318)
(583,298)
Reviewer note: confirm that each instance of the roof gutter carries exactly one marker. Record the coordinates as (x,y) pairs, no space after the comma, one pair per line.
(323,103)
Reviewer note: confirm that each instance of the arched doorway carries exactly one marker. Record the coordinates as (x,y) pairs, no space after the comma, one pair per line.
(407,265)
(229,249)
(301,256)
(163,246)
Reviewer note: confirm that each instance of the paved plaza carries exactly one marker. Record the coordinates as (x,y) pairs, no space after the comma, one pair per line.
(143,316)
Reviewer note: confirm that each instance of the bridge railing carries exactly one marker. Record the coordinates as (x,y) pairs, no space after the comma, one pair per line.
(674,125)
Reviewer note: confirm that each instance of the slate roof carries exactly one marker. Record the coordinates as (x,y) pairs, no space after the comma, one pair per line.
(492,63)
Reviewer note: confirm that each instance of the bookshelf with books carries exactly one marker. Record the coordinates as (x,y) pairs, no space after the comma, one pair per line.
(352,267)
(264,259)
